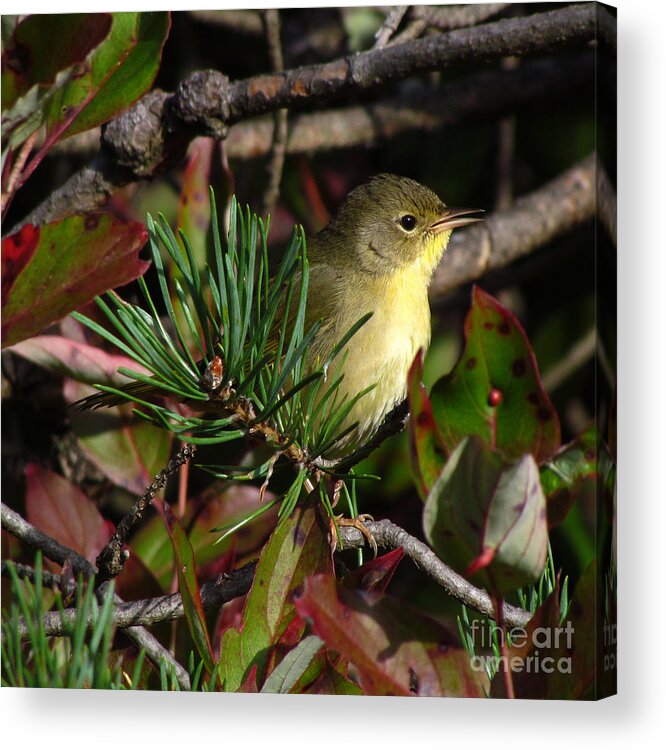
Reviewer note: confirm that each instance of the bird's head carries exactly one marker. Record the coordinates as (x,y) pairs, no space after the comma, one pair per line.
(391,222)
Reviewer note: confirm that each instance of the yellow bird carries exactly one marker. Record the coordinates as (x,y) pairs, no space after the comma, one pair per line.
(377,255)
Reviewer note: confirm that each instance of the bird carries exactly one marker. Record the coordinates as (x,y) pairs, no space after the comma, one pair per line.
(376,255)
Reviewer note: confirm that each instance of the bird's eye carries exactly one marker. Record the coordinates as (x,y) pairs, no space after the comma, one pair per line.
(408,222)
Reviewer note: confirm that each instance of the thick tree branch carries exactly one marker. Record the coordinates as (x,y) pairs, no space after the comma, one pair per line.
(543,32)
(533,220)
(156,130)
(481,95)
(388,535)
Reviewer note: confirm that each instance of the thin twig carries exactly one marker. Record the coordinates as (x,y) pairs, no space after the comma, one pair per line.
(506,151)
(145,612)
(394,422)
(504,666)
(112,558)
(279,146)
(607,202)
(33,537)
(390,25)
(388,535)
(28,573)
(446,18)
(238,21)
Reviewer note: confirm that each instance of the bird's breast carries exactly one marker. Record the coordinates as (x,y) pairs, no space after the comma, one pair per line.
(382,351)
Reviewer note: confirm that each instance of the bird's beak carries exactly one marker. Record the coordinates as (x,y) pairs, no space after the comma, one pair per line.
(450,218)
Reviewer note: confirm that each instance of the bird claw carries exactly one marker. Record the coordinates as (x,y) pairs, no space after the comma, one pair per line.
(357,523)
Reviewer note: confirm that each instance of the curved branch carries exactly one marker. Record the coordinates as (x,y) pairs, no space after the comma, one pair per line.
(387,534)
(532,221)
(158,128)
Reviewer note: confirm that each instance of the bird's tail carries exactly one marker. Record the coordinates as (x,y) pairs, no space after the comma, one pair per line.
(99,399)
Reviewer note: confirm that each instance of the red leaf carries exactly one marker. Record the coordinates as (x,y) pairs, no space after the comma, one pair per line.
(375,575)
(84,363)
(76,259)
(27,61)
(17,252)
(395,648)
(60,509)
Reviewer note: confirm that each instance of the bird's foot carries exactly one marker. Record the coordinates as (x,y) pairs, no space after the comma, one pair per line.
(358,523)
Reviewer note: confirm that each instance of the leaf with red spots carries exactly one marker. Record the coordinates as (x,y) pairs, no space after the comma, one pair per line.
(60,509)
(564,476)
(126,450)
(188,585)
(375,575)
(427,451)
(42,45)
(395,648)
(76,259)
(494,390)
(486,517)
(297,548)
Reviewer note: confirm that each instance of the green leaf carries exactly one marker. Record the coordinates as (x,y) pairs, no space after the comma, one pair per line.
(122,68)
(427,451)
(188,585)
(42,45)
(395,648)
(218,505)
(487,516)
(113,77)
(297,548)
(494,390)
(127,451)
(563,476)
(293,666)
(49,271)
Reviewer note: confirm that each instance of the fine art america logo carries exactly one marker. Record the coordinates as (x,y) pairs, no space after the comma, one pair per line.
(548,654)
